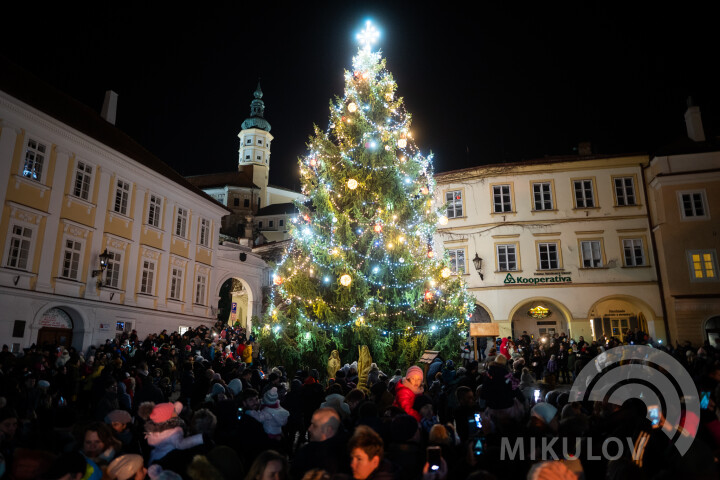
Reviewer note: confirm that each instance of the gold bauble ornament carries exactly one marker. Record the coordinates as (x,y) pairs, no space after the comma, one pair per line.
(352,107)
(345,280)
(352,184)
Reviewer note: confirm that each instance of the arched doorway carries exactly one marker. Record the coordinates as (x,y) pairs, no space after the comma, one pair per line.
(234,303)
(55,328)
(712,331)
(538,318)
(618,316)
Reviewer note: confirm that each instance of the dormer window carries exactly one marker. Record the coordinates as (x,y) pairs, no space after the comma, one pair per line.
(259,142)
(249,141)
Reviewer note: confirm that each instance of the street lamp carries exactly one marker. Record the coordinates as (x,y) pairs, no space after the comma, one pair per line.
(477,261)
(104,257)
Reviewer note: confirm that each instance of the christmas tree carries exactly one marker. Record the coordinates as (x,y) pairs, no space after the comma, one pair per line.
(362,268)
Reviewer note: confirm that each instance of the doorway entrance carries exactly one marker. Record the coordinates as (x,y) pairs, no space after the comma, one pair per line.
(56,328)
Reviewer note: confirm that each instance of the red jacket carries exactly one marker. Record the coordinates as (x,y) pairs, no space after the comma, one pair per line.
(405,399)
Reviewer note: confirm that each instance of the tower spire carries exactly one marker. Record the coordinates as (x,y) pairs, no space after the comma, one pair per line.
(257,112)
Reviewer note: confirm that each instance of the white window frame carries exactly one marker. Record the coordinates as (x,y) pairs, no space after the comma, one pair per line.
(204,234)
(624,191)
(694,197)
(630,250)
(147,276)
(33,157)
(543,199)
(200,288)
(458,261)
(499,193)
(154,217)
(181,222)
(15,242)
(121,204)
(71,258)
(454,204)
(114,270)
(507,250)
(84,177)
(705,265)
(583,200)
(176,283)
(591,254)
(553,261)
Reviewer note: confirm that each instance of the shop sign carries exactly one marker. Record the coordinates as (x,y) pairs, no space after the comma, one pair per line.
(56,318)
(556,278)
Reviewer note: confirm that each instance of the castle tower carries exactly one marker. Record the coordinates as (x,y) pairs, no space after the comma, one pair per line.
(255,141)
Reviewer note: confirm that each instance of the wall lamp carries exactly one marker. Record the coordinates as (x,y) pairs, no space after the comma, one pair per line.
(477,261)
(104,257)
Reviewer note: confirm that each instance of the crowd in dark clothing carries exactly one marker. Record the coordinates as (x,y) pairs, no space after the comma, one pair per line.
(204,406)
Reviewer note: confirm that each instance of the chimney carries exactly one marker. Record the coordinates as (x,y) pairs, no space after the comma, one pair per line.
(693,122)
(584,149)
(109,109)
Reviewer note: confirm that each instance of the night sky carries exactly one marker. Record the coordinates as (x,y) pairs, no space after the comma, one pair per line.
(500,84)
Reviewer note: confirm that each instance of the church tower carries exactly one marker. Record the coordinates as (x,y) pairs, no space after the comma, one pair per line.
(255,141)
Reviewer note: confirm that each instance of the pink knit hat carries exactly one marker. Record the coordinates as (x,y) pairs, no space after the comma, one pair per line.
(414,371)
(163,412)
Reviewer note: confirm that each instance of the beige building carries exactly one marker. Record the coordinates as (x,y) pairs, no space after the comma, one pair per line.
(96,234)
(555,245)
(684,199)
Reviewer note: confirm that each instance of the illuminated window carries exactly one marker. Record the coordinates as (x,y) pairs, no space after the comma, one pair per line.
(457,261)
(454,204)
(703,265)
(35,154)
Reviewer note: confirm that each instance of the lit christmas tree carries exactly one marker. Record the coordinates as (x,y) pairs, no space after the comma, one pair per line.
(362,268)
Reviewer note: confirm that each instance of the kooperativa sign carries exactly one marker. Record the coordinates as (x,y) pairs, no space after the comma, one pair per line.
(536,280)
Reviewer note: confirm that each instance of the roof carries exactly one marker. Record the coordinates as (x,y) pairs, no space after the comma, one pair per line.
(238,178)
(538,161)
(29,89)
(688,146)
(277,209)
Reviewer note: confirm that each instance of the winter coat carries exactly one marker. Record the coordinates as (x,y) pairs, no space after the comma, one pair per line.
(168,440)
(272,417)
(405,395)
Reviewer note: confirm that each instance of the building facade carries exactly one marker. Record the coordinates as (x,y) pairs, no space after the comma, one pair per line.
(96,234)
(555,245)
(684,195)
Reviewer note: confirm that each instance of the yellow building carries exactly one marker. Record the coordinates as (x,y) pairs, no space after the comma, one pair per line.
(558,245)
(684,199)
(96,234)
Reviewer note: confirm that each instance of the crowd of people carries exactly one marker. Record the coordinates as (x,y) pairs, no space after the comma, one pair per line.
(204,406)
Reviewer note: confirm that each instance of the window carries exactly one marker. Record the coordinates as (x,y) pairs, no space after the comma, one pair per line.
(246,203)
(181,222)
(259,142)
(176,283)
(457,261)
(542,194)
(112,273)
(83,178)
(584,197)
(502,200)
(247,157)
(454,204)
(35,153)
(548,256)
(147,282)
(634,252)
(236,202)
(71,259)
(248,141)
(200,287)
(204,232)
(259,224)
(591,252)
(259,157)
(19,329)
(692,204)
(625,191)
(271,223)
(154,211)
(258,202)
(122,194)
(281,223)
(703,265)
(19,247)
(507,258)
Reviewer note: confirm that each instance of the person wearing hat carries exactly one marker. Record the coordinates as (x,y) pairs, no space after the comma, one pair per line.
(272,416)
(164,429)
(126,467)
(407,389)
